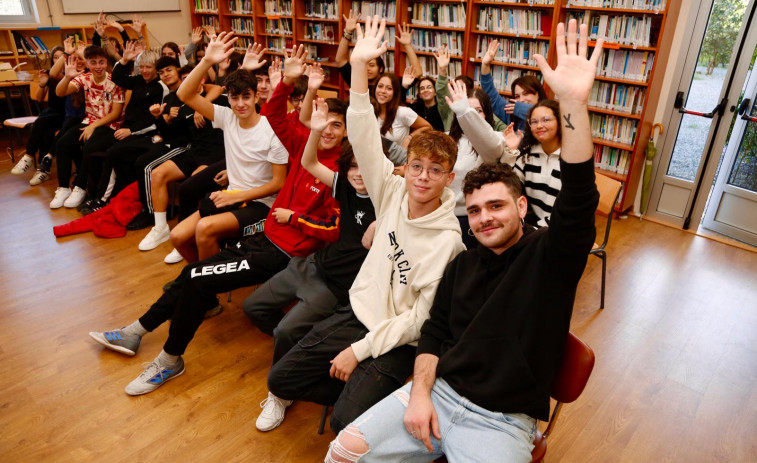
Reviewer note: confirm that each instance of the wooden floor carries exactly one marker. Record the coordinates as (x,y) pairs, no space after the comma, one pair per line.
(675,378)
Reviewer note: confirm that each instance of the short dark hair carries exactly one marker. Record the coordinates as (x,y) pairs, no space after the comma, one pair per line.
(337,106)
(165,61)
(173,46)
(186,69)
(93,51)
(300,87)
(466,80)
(261,71)
(492,173)
(345,159)
(240,82)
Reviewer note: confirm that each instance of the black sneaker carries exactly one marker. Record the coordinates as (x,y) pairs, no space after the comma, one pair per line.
(143,220)
(46,164)
(93,206)
(86,204)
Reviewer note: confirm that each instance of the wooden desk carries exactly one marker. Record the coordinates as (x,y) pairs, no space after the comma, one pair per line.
(7,87)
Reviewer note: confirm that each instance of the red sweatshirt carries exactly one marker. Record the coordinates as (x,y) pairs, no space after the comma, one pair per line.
(316,213)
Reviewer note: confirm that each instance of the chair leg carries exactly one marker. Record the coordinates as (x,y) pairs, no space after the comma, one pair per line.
(603,256)
(228,296)
(324,415)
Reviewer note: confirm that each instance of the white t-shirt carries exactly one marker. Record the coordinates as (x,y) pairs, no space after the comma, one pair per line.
(249,152)
(401,126)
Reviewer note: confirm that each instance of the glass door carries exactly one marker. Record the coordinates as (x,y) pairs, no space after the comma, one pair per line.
(721,40)
(732,209)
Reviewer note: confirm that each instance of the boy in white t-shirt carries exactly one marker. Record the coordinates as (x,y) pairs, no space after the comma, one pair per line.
(256,164)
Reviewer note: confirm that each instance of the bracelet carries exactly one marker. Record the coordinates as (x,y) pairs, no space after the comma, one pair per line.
(347,35)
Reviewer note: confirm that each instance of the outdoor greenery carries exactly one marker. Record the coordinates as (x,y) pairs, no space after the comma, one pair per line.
(723,29)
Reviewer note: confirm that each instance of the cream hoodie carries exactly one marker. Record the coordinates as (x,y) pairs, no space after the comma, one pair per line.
(394,290)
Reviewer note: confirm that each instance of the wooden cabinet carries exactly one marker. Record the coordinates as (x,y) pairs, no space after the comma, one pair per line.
(625,94)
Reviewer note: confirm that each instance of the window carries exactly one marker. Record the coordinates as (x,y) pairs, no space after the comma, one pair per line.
(18,12)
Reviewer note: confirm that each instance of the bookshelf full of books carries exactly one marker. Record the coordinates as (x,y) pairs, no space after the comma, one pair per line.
(623,100)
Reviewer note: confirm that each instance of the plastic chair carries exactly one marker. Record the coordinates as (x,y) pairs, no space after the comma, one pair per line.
(17,125)
(567,386)
(609,190)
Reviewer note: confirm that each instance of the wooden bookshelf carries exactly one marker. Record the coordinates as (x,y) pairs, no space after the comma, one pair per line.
(530,25)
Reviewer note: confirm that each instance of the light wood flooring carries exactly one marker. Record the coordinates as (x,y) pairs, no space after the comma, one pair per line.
(675,378)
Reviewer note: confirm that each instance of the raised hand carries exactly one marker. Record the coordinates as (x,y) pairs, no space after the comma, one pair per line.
(491,52)
(209,31)
(68,46)
(350,22)
(80,49)
(220,48)
(71,67)
(442,58)
(408,77)
(512,136)
(294,63)
(572,79)
(43,78)
(316,77)
(371,44)
(100,24)
(319,119)
(457,92)
(131,50)
(275,72)
(197,35)
(136,24)
(252,57)
(115,24)
(405,36)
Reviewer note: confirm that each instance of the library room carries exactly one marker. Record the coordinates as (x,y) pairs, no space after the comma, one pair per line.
(207,193)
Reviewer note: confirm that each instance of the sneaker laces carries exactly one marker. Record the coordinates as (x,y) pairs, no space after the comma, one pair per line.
(154,233)
(269,406)
(151,369)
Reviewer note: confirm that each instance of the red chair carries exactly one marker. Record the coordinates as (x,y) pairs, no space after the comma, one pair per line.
(567,386)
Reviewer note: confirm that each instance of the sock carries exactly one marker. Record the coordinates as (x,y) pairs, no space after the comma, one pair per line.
(135,328)
(165,359)
(160,220)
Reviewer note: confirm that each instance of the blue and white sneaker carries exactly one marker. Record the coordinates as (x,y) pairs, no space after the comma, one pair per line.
(118,341)
(153,377)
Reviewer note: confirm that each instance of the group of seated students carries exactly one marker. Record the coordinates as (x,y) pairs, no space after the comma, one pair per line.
(367,235)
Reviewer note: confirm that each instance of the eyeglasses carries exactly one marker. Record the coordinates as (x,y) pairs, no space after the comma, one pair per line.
(434,172)
(297,100)
(544,120)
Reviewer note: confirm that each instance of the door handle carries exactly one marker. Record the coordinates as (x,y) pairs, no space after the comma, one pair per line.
(743,110)
(716,110)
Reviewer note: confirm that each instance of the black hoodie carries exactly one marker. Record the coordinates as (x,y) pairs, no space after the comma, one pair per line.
(499,322)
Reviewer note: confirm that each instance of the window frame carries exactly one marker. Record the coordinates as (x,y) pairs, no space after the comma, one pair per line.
(30,16)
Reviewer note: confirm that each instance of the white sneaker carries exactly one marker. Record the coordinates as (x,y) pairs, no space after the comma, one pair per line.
(23,165)
(61,194)
(153,377)
(77,196)
(39,177)
(173,257)
(154,238)
(273,413)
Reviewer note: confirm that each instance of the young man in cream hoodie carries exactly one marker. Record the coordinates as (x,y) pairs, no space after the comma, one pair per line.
(366,349)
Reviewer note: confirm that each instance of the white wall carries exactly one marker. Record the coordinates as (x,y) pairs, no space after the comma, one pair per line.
(162,27)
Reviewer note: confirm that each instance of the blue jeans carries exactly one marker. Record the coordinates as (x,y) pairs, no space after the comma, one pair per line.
(469,433)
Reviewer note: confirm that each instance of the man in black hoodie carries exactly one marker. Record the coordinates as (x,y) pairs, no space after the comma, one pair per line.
(495,339)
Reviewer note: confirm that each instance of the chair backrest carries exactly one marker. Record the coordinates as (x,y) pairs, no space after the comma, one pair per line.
(574,372)
(609,190)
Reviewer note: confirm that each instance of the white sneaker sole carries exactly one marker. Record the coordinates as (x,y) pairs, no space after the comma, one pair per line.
(97,336)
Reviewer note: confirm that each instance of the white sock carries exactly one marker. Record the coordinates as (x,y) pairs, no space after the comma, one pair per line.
(135,328)
(165,359)
(161,220)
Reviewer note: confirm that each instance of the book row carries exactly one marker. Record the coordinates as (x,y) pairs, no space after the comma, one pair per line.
(525,2)
(503,76)
(622,98)
(430,40)
(319,31)
(644,5)
(513,51)
(434,14)
(278,26)
(612,159)
(519,22)
(240,6)
(279,44)
(206,6)
(31,45)
(242,25)
(625,30)
(386,10)
(278,7)
(210,21)
(321,9)
(613,128)
(626,64)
